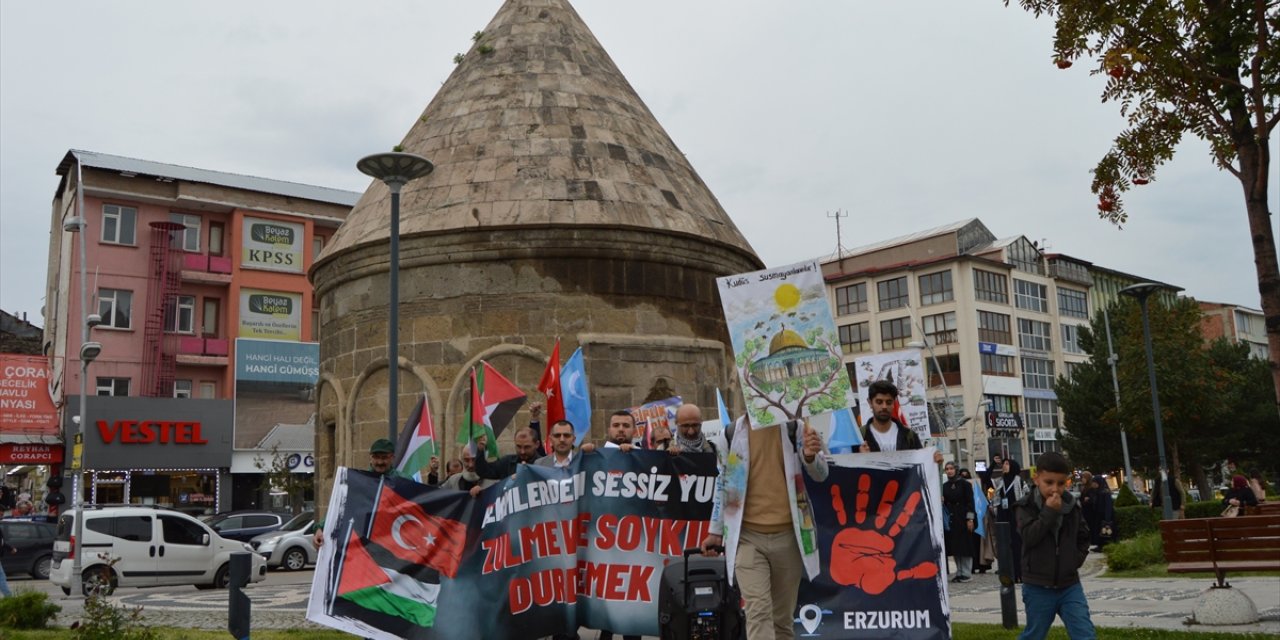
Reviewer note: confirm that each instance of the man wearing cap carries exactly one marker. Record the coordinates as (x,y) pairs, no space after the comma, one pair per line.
(381,454)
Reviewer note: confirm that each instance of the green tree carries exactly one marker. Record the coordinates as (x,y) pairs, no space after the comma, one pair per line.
(279,477)
(1087,399)
(1205,67)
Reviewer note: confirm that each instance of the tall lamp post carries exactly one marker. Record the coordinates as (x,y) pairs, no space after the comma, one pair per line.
(946,396)
(89,351)
(395,170)
(1142,291)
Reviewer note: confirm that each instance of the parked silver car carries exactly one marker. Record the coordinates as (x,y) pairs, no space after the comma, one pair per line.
(291,546)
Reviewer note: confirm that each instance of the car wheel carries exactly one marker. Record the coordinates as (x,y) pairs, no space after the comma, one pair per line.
(223,577)
(98,580)
(40,570)
(295,559)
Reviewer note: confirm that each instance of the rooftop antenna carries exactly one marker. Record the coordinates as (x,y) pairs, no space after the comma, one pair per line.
(839,238)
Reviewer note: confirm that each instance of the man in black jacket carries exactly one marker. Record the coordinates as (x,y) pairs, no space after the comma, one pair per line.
(1055,542)
(883,432)
(527,452)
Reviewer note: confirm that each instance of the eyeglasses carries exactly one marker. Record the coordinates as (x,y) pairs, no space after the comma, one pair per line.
(562,435)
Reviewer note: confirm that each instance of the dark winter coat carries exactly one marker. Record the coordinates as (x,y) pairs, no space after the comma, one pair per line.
(957,497)
(1054,543)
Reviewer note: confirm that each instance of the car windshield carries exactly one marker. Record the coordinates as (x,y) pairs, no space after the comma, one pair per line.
(298,522)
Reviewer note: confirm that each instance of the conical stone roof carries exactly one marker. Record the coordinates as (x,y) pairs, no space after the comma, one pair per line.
(538,127)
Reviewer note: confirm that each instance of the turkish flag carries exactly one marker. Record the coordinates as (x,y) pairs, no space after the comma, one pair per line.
(550,385)
(402,527)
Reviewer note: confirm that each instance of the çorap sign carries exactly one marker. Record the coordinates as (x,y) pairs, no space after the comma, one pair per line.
(272,245)
(26,408)
(17,453)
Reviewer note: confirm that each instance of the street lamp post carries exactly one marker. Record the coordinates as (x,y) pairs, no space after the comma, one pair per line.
(946,396)
(1112,358)
(1141,292)
(395,170)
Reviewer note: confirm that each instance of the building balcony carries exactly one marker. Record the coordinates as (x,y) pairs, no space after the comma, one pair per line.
(197,267)
(948,378)
(209,352)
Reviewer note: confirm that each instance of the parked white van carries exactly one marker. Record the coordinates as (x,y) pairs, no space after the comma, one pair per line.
(139,546)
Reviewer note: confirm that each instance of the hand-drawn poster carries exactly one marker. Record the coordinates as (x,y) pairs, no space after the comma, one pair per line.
(786,351)
(906,371)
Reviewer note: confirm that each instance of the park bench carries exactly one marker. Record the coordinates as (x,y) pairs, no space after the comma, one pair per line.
(1219,545)
(1263,509)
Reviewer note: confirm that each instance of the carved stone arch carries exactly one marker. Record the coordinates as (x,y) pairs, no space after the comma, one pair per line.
(329,446)
(454,409)
(357,387)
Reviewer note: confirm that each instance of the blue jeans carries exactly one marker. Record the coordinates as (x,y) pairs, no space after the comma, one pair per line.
(1043,603)
(4,584)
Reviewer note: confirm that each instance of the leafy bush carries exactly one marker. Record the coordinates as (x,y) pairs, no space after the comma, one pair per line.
(1203,509)
(105,621)
(1146,549)
(1126,497)
(27,610)
(1136,520)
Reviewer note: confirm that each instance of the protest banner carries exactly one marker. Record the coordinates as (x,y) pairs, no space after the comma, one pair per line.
(906,371)
(786,352)
(654,415)
(550,550)
(546,550)
(883,564)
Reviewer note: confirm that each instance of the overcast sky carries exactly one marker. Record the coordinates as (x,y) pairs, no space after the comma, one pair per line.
(906,115)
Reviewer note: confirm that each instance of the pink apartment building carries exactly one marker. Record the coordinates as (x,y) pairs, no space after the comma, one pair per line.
(182,266)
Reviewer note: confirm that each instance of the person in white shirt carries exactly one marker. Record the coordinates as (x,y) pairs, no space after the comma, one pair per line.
(883,432)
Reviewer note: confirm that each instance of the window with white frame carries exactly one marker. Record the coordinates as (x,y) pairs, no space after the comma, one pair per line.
(1073,303)
(119,224)
(940,328)
(1037,373)
(895,334)
(180,315)
(182,388)
(1069,368)
(893,293)
(1033,334)
(1044,446)
(936,287)
(855,338)
(851,299)
(1030,296)
(1071,338)
(114,307)
(113,386)
(1041,413)
(189,238)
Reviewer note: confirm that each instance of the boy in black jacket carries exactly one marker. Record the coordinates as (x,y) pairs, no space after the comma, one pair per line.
(1055,542)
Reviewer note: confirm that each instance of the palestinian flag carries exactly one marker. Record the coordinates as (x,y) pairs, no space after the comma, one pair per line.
(373,588)
(417,443)
(494,402)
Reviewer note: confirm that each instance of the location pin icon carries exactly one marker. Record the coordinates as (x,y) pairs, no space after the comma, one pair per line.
(810,616)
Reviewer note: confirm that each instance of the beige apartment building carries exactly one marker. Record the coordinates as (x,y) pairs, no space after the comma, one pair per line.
(996,320)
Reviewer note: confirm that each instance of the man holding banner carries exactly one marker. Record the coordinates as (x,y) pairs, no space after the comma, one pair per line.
(767,535)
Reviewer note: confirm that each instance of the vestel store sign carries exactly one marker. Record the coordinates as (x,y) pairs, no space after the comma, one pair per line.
(146,433)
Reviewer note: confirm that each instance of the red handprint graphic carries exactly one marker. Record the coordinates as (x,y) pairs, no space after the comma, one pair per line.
(863,558)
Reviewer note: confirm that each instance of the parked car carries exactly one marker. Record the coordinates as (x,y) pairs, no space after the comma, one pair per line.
(138,546)
(34,542)
(244,525)
(292,547)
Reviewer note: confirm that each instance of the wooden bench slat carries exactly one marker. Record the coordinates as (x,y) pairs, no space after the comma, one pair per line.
(1220,545)
(1208,567)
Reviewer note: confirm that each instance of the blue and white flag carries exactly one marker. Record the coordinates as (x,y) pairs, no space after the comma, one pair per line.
(577,400)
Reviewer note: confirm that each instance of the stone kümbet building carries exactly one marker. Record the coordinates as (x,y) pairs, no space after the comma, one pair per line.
(558,208)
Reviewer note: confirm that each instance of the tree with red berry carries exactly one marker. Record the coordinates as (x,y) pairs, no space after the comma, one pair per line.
(1206,67)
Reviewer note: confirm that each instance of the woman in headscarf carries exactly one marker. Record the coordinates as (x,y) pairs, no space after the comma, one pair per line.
(1013,489)
(1239,495)
(957,499)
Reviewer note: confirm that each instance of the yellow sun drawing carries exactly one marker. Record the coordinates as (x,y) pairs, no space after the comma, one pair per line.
(787,296)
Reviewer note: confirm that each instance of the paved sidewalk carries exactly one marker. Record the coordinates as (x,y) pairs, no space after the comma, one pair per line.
(1157,603)
(1149,603)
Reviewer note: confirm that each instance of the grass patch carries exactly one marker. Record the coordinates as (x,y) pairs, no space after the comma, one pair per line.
(962,631)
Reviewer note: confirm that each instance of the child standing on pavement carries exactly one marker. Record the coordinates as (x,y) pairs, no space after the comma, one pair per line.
(1055,542)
